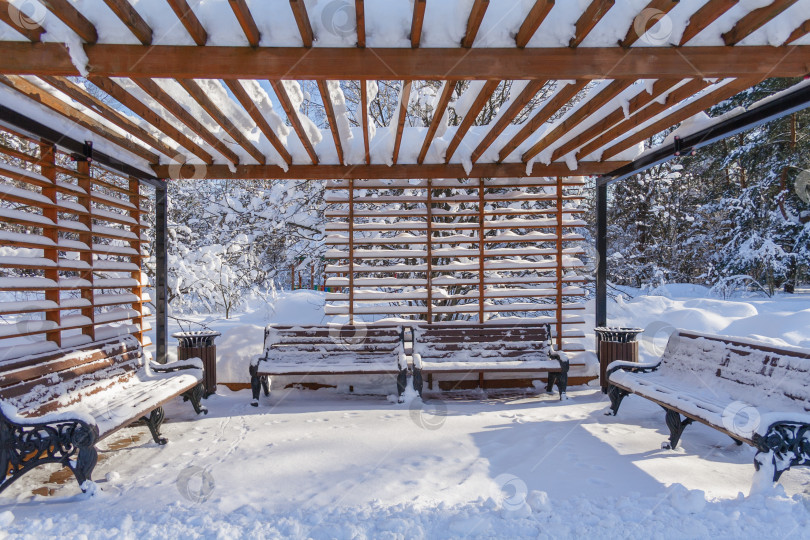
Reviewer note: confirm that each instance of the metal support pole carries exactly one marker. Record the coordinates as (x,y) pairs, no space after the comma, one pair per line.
(161,276)
(601,253)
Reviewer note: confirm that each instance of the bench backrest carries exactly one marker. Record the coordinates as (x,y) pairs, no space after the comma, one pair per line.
(751,372)
(303,342)
(43,383)
(494,342)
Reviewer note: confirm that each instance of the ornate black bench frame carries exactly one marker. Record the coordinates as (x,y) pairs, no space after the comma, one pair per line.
(785,444)
(25,445)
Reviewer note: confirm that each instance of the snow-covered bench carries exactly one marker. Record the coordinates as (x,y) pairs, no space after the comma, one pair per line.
(55,407)
(333,349)
(487,348)
(756,393)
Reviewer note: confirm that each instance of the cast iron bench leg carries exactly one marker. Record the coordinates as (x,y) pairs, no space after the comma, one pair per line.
(417,381)
(154,421)
(255,385)
(676,426)
(616,396)
(402,382)
(195,396)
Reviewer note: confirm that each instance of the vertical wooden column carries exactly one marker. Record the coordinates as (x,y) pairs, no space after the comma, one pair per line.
(47,154)
(161,273)
(481,250)
(560,269)
(429,250)
(601,254)
(83,178)
(351,251)
(135,199)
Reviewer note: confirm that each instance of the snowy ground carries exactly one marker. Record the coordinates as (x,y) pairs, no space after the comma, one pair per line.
(329,465)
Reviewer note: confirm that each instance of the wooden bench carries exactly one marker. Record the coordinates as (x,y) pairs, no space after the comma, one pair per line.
(304,351)
(55,407)
(487,348)
(756,393)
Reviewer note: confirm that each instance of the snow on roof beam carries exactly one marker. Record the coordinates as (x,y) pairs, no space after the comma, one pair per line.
(589,19)
(190,21)
(131,19)
(20,22)
(645,20)
(754,20)
(250,106)
(438,118)
(533,21)
(706,15)
(470,117)
(73,19)
(299,10)
(246,21)
(416,22)
(405,96)
(477,13)
(295,121)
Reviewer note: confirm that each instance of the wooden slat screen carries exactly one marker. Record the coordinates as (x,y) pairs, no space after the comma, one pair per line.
(447,249)
(71,236)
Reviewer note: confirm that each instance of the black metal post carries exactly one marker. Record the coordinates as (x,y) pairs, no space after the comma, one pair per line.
(601,253)
(161,273)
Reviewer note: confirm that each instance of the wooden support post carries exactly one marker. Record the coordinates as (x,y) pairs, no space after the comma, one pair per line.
(47,154)
(601,254)
(560,270)
(351,251)
(135,199)
(84,182)
(429,251)
(292,277)
(481,250)
(161,273)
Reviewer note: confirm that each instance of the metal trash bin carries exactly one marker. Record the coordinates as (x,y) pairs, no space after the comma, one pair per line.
(615,343)
(200,344)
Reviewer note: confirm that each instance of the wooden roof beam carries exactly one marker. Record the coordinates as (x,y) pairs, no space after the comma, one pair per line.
(589,19)
(533,21)
(20,22)
(246,21)
(800,31)
(190,21)
(330,116)
(716,96)
(646,19)
(383,171)
(479,9)
(73,19)
(401,116)
(64,109)
(754,20)
(642,99)
(292,116)
(161,124)
(199,95)
(416,22)
(469,118)
(706,15)
(131,19)
(360,21)
(80,95)
(438,114)
(250,106)
(167,102)
(299,10)
(550,108)
(364,118)
(588,108)
(516,105)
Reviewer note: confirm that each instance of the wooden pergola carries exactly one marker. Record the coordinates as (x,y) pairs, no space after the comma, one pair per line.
(187,107)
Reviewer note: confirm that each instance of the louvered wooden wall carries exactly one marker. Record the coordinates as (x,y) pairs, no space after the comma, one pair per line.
(70,250)
(449,249)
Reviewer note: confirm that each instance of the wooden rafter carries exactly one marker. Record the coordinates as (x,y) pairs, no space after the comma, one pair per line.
(533,21)
(60,107)
(131,19)
(588,108)
(332,63)
(295,121)
(516,105)
(402,171)
(167,102)
(80,95)
(360,18)
(250,106)
(479,9)
(364,118)
(160,123)
(20,22)
(589,19)
(199,95)
(469,118)
(73,19)
(550,108)
(707,100)
(401,116)
(706,15)
(190,21)
(438,114)
(330,115)
(246,21)
(800,31)
(299,10)
(648,17)
(683,92)
(754,20)
(635,104)
(416,22)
